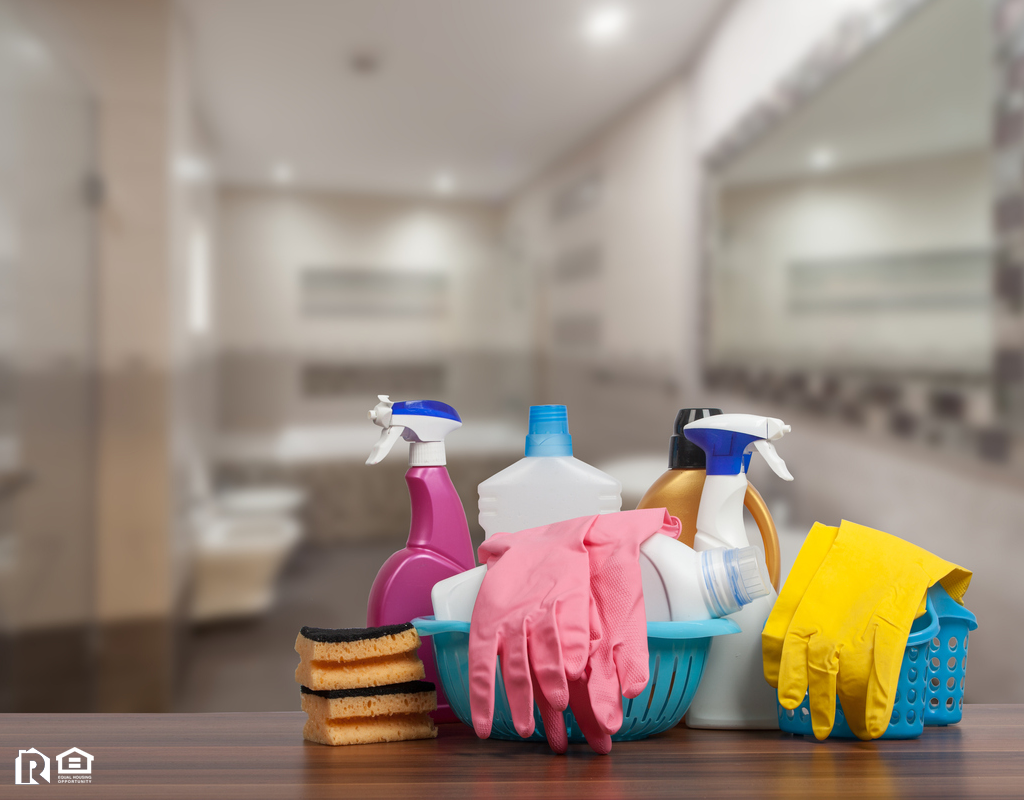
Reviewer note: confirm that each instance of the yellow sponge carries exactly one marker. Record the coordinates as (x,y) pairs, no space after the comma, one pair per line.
(367,730)
(327,675)
(413,697)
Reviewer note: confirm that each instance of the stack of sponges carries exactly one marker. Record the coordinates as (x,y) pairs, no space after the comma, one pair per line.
(363,685)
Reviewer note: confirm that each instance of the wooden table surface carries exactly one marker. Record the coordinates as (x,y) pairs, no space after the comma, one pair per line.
(257,755)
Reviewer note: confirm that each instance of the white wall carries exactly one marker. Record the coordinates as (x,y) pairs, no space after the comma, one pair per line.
(642,224)
(269,237)
(931,205)
(757,44)
(648,222)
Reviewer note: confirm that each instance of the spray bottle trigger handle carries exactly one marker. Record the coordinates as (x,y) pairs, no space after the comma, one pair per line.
(771,455)
(387,440)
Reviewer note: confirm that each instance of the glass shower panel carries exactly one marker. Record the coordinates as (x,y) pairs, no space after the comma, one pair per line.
(47,374)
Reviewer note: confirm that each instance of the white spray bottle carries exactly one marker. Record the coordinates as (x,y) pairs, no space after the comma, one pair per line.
(733,692)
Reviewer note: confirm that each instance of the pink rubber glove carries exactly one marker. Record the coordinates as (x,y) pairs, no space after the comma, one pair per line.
(578,584)
(532,610)
(619,661)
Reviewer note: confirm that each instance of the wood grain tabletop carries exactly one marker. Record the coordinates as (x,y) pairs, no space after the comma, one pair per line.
(259,755)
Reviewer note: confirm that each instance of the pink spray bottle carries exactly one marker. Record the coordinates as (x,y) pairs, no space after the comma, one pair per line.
(439,545)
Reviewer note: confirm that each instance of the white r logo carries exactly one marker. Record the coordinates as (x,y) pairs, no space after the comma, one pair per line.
(26,762)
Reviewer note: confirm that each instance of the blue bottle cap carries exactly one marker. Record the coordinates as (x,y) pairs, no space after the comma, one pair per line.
(549,432)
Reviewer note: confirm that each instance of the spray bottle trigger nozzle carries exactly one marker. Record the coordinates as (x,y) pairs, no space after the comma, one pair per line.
(771,455)
(380,414)
(387,440)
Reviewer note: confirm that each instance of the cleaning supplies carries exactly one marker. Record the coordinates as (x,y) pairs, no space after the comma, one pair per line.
(679,584)
(946,683)
(537,592)
(734,694)
(535,580)
(909,711)
(679,490)
(562,605)
(548,485)
(618,665)
(815,547)
(683,585)
(677,652)
(849,630)
(439,545)
(362,685)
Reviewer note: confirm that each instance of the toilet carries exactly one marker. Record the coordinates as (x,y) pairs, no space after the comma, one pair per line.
(242,540)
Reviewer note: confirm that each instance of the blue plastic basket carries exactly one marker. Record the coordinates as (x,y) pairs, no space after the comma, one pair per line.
(678,652)
(908,714)
(947,660)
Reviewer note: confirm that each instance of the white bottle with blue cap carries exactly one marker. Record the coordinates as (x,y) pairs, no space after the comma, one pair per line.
(548,485)
(733,692)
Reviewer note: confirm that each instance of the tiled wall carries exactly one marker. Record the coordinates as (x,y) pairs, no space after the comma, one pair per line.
(1008,216)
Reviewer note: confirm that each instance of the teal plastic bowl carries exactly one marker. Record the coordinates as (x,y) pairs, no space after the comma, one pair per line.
(678,652)
(908,713)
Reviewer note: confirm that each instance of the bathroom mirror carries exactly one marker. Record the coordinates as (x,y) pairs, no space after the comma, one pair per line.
(850,239)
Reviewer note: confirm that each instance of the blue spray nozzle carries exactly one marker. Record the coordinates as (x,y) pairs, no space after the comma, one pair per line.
(419,421)
(726,450)
(549,432)
(727,441)
(425,408)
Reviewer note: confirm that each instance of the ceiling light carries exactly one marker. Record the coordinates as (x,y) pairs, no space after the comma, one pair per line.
(821,159)
(191,169)
(606,24)
(282,173)
(444,183)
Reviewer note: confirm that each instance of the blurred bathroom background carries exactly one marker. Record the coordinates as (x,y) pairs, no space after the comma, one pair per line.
(226,226)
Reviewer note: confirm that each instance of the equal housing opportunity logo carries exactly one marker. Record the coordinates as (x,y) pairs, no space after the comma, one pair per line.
(33,766)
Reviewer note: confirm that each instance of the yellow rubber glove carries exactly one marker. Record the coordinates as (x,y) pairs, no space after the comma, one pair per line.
(812,553)
(850,628)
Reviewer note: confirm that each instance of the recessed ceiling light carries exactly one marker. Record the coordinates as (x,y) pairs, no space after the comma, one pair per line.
(606,23)
(282,173)
(191,169)
(444,183)
(821,159)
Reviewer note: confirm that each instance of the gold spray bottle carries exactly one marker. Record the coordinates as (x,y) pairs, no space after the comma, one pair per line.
(680,488)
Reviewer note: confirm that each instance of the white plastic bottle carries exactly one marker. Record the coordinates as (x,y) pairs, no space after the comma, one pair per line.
(680,585)
(733,692)
(548,485)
